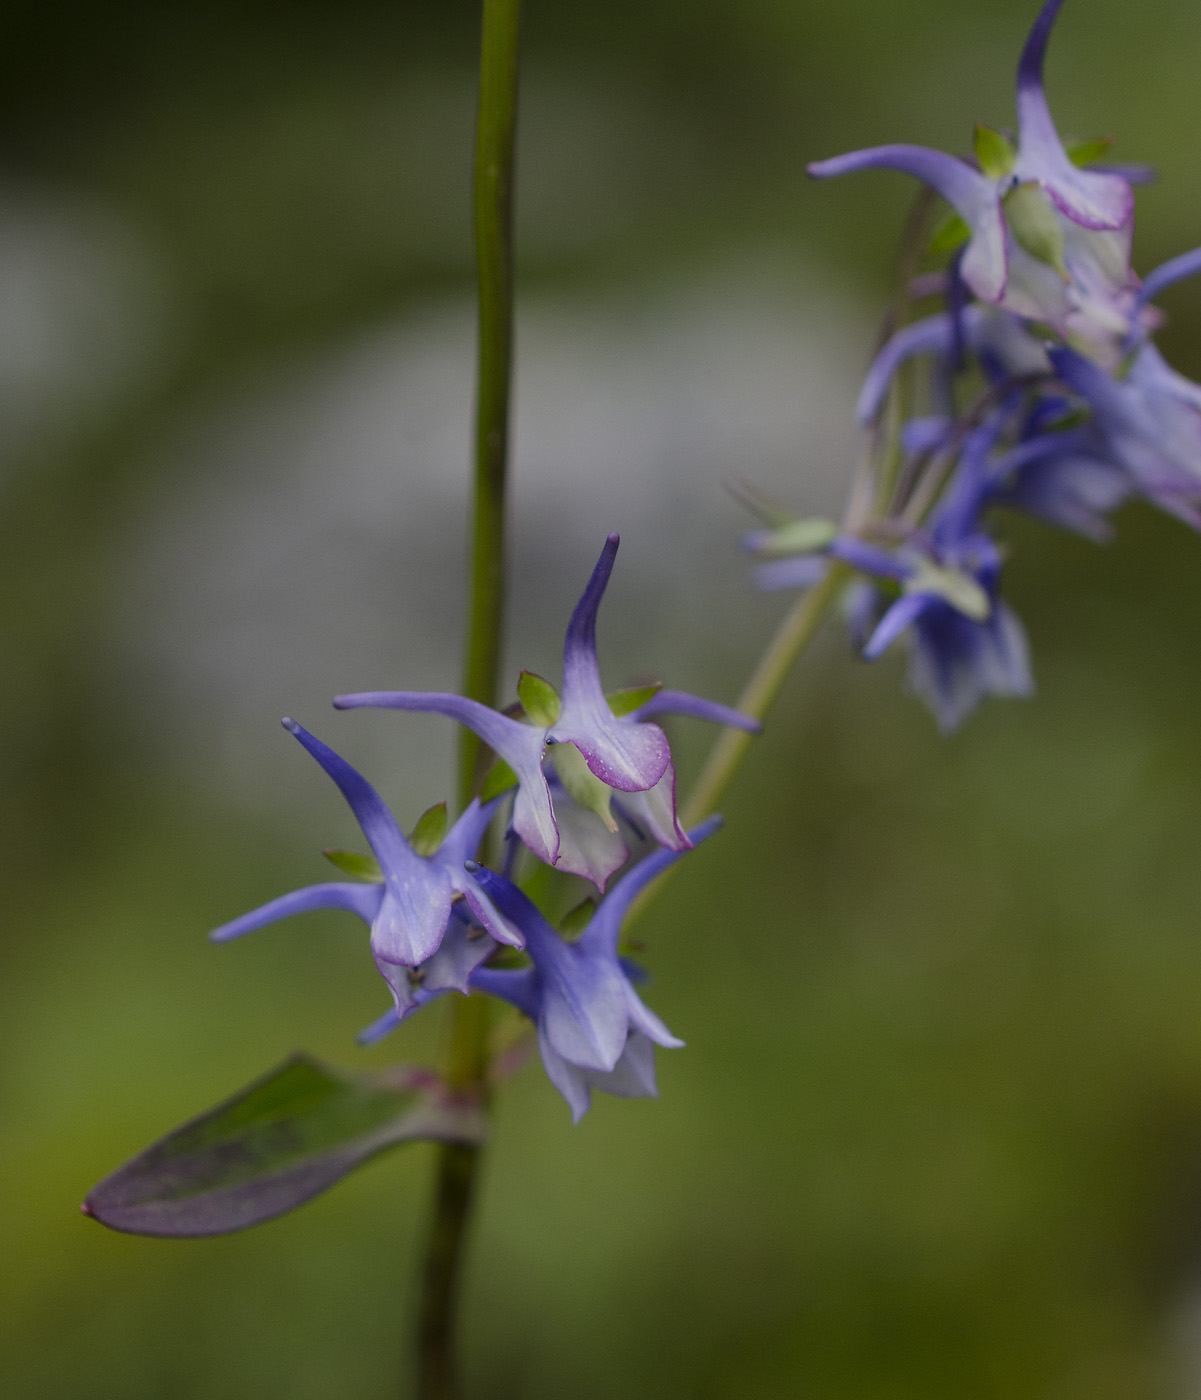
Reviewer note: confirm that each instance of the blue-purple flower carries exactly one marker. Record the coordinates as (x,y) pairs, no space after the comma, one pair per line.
(1148,424)
(594,1031)
(1021,207)
(623,754)
(420,934)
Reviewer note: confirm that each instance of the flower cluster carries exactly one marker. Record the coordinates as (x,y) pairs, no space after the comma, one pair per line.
(1044,394)
(580,777)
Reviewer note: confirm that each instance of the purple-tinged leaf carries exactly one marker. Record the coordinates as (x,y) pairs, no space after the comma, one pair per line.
(274,1146)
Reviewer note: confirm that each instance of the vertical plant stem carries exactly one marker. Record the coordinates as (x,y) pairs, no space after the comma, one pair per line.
(494,261)
(466,1067)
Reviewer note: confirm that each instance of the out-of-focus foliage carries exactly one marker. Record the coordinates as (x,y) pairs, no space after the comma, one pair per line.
(937,1130)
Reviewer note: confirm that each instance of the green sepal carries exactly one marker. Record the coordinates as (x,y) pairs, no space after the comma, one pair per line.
(430,829)
(582,783)
(576,920)
(624,702)
(950,232)
(500,779)
(539,699)
(360,866)
(994,152)
(805,536)
(1085,152)
(963,593)
(274,1146)
(1034,223)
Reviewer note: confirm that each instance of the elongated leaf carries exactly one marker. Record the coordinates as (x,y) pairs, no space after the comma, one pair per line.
(274,1146)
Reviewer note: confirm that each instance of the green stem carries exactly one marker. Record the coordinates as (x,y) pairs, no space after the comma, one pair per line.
(494,260)
(467,1060)
(794,634)
(458,1168)
(725,758)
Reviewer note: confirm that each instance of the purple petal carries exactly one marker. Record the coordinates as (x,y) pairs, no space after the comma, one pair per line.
(459,954)
(379,825)
(603,932)
(972,194)
(1151,424)
(412,914)
(1091,198)
(569,1079)
(902,615)
(1166,275)
(518,987)
(655,811)
(924,435)
(804,571)
(408,995)
(643,1019)
(586,845)
(461,844)
(1134,172)
(462,841)
(379,1028)
(520,745)
(412,920)
(954,662)
(1152,374)
(933,336)
(513,903)
(485,912)
(869,558)
(583,1012)
(582,1006)
(363,900)
(1055,477)
(679,702)
(633,1076)
(628,757)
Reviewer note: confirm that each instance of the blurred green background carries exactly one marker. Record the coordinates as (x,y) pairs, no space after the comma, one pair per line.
(937,1131)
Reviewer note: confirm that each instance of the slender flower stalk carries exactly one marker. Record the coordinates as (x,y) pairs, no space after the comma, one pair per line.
(793,636)
(466,1066)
